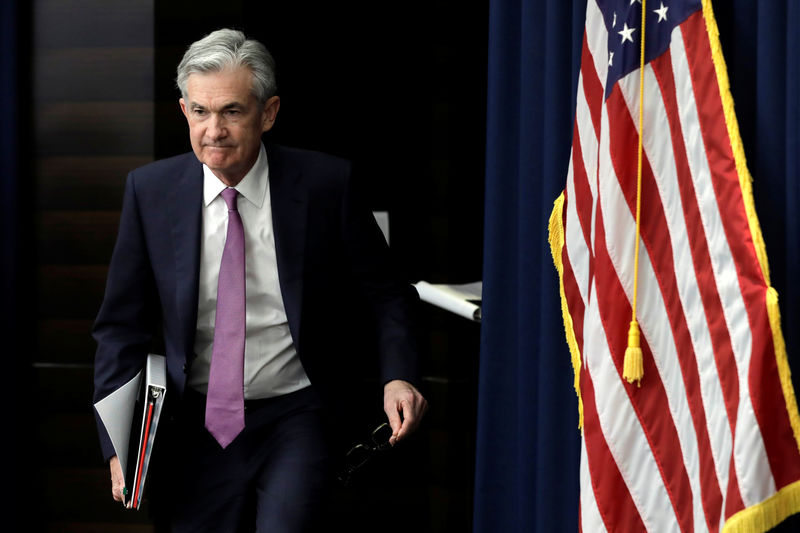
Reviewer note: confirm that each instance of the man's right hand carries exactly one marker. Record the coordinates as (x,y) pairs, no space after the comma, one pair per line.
(117,484)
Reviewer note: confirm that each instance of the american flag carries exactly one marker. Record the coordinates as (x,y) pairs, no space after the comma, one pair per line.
(709,440)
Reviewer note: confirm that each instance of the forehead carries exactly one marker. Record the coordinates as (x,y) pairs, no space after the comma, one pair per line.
(233,84)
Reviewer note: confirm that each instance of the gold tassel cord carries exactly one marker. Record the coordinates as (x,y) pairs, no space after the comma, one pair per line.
(633,366)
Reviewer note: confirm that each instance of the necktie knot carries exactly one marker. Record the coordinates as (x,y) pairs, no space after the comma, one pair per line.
(229,195)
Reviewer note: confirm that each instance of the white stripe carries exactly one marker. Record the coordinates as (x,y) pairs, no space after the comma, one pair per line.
(597,40)
(660,155)
(587,136)
(750,456)
(575,243)
(622,431)
(591,521)
(597,43)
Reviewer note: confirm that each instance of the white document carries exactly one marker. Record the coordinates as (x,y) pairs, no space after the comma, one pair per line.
(116,413)
(463,300)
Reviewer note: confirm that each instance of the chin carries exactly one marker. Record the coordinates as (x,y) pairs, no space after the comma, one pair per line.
(216,163)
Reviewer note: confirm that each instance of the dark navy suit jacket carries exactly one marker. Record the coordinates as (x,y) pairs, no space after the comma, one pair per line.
(329,252)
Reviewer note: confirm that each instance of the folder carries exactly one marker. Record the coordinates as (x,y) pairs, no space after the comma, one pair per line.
(130,415)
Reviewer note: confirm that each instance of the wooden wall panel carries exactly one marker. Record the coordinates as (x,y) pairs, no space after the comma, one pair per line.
(71,292)
(65,341)
(102,23)
(94,128)
(89,74)
(83,182)
(77,237)
(92,69)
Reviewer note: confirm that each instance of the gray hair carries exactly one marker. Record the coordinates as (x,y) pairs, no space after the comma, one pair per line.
(229,48)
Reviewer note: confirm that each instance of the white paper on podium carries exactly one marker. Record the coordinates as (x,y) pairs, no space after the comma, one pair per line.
(458,299)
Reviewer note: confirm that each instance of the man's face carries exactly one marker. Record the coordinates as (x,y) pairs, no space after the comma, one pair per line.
(226,121)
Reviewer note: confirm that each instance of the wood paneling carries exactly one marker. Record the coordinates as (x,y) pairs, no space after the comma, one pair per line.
(65,390)
(92,77)
(94,74)
(102,23)
(71,292)
(83,183)
(77,237)
(68,439)
(94,128)
(62,341)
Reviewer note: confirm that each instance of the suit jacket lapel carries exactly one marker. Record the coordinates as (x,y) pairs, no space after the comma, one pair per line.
(186,208)
(289,207)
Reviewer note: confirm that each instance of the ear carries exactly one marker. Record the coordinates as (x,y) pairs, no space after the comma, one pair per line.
(269,113)
(183,108)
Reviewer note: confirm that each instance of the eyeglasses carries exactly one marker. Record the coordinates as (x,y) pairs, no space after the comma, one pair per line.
(362,452)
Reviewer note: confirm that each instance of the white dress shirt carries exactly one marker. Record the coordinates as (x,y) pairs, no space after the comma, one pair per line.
(271,364)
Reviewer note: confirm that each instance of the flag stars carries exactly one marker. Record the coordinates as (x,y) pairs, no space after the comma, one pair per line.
(627,33)
(633,1)
(611,59)
(661,12)
(614,21)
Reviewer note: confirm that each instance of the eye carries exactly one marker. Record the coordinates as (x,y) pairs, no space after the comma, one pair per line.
(199,112)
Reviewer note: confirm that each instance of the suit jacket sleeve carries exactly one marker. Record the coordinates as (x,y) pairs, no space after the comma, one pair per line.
(393,301)
(126,321)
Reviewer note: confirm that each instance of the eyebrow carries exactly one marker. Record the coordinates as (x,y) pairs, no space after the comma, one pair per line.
(232,105)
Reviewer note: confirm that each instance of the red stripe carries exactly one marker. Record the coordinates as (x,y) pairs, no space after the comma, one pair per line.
(614,502)
(592,88)
(764,382)
(140,465)
(733,501)
(649,401)
(583,193)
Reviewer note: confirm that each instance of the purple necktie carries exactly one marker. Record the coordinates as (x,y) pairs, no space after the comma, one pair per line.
(225,402)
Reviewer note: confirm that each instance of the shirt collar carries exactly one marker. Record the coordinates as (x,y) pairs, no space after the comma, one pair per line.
(253,186)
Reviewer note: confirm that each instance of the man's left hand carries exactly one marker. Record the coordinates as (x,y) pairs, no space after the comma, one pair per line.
(404,406)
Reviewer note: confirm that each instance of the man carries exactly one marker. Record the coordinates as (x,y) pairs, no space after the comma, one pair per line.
(245,253)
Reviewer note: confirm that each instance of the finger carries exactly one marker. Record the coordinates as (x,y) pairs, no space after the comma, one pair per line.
(395,421)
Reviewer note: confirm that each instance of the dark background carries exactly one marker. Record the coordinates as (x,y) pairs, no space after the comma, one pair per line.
(399,88)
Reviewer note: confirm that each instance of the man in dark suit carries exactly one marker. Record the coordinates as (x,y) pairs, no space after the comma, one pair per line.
(243,254)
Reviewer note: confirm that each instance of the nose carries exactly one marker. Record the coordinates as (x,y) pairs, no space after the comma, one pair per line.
(216,128)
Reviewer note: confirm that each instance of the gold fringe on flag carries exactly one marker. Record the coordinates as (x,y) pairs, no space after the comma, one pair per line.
(556,240)
(786,502)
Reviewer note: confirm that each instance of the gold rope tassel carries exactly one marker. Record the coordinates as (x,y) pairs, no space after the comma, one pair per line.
(633,365)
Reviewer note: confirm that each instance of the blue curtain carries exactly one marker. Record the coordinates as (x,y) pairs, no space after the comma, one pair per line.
(527,452)
(526,476)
